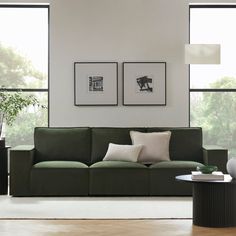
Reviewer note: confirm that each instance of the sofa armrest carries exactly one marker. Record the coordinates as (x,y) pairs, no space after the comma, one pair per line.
(21,161)
(215,155)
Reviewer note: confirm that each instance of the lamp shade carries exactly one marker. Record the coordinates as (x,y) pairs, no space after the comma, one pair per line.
(202,53)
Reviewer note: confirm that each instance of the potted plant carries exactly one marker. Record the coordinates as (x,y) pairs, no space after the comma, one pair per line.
(10,106)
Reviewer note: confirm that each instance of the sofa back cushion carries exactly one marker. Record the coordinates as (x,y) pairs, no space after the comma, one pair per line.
(73,144)
(185,143)
(101,137)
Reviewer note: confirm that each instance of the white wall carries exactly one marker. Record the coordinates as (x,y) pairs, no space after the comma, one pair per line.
(118,30)
(124,30)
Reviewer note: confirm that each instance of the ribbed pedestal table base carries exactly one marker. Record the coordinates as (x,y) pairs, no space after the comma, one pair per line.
(214,204)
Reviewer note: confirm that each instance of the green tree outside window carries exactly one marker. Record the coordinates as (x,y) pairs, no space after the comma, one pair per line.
(215,112)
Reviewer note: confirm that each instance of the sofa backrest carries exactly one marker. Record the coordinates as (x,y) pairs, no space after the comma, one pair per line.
(185,143)
(101,137)
(89,145)
(73,144)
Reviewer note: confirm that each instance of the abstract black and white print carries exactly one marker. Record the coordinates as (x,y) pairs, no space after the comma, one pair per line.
(95,83)
(144,84)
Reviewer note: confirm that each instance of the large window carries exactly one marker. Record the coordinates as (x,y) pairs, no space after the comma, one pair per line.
(213,87)
(24,65)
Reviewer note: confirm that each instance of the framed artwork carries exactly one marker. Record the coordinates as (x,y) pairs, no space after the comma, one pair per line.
(144,83)
(96,83)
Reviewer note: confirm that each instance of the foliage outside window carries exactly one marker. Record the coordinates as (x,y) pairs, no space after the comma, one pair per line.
(213,87)
(24,69)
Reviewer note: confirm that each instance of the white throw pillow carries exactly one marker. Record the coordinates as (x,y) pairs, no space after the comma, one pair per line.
(155,146)
(118,152)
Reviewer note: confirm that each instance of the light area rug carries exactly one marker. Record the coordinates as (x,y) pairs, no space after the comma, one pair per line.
(95,207)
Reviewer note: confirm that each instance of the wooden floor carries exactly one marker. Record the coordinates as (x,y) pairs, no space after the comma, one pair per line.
(108,228)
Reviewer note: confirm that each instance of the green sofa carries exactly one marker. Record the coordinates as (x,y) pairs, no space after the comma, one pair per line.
(68,162)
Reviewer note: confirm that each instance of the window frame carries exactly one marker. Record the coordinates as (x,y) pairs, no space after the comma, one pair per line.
(192,90)
(5,89)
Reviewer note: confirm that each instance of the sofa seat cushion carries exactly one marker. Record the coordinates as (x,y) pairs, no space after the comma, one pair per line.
(117,164)
(176,164)
(59,178)
(120,178)
(60,164)
(162,178)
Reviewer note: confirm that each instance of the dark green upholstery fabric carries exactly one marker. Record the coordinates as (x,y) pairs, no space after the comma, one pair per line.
(215,155)
(54,144)
(162,178)
(21,161)
(176,164)
(111,178)
(101,137)
(117,164)
(60,164)
(65,178)
(185,143)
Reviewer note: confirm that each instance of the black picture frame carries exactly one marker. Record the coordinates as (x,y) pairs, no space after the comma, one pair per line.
(95,83)
(144,83)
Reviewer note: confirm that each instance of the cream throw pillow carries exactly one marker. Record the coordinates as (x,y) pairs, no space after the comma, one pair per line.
(118,152)
(155,146)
